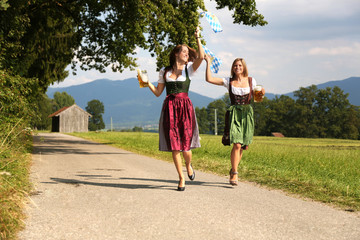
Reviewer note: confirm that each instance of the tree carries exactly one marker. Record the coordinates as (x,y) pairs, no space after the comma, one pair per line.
(260,117)
(39,38)
(314,113)
(62,100)
(137,129)
(202,120)
(220,107)
(333,109)
(275,116)
(96,109)
(306,120)
(226,100)
(4,5)
(351,124)
(44,107)
(244,12)
(17,97)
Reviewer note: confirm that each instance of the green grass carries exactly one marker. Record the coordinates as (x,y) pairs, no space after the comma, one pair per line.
(325,170)
(15,160)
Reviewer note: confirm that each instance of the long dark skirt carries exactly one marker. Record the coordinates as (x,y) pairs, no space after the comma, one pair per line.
(178,129)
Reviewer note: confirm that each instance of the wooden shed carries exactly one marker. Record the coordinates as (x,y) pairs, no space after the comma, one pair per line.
(277,134)
(70,119)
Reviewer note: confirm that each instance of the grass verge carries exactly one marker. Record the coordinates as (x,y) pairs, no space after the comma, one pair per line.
(325,170)
(15,160)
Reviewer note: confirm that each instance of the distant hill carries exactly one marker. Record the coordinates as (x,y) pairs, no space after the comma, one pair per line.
(124,102)
(350,85)
(129,106)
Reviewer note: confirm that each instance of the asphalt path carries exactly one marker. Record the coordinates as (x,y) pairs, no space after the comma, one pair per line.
(86,190)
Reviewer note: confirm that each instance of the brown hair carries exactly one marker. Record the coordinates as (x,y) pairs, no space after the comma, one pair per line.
(245,70)
(172,56)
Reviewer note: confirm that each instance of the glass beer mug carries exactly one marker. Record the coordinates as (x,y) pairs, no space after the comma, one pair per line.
(258,95)
(142,78)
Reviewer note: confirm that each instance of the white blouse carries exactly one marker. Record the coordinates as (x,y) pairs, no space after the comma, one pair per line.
(238,90)
(181,78)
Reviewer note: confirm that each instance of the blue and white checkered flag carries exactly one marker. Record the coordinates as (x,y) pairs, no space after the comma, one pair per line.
(208,52)
(215,61)
(215,64)
(213,20)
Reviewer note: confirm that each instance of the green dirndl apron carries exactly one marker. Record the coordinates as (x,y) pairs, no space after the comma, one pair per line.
(241,118)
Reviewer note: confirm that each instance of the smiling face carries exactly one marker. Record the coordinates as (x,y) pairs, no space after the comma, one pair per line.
(183,55)
(239,68)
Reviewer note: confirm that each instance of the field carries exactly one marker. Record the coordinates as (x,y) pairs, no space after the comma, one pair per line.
(325,170)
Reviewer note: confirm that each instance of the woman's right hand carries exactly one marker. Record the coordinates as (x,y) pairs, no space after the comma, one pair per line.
(207,58)
(197,32)
(208,77)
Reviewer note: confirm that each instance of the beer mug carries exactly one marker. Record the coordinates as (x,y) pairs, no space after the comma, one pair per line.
(258,95)
(143,78)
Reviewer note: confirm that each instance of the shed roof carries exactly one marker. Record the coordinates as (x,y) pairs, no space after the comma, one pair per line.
(277,134)
(60,111)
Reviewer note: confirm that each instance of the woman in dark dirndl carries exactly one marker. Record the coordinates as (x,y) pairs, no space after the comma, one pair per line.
(178,129)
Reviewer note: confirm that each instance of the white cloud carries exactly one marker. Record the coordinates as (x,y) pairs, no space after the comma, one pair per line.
(330,51)
(261,72)
(334,51)
(73,80)
(237,41)
(320,8)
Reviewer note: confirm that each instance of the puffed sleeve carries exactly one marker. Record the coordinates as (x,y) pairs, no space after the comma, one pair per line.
(254,82)
(161,76)
(226,82)
(190,68)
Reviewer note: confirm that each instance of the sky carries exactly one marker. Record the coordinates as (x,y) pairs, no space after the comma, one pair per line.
(305,42)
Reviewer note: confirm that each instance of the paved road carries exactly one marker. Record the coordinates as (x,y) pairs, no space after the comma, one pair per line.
(86,190)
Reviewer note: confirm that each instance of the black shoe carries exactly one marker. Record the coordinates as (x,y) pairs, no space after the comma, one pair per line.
(181,188)
(192,177)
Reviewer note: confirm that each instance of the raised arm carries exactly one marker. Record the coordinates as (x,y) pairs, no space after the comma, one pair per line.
(209,78)
(199,59)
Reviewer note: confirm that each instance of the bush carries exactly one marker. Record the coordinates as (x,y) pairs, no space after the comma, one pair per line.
(17,95)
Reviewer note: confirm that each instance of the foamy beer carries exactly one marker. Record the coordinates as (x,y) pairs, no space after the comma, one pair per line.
(258,95)
(143,78)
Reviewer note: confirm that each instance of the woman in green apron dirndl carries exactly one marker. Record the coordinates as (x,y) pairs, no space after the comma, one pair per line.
(239,118)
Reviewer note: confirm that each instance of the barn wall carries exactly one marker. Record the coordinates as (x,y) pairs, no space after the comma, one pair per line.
(74,120)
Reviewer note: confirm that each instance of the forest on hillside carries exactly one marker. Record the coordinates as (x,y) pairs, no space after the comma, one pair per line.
(314,113)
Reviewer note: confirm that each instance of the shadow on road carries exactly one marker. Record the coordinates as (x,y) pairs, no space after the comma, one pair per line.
(55,140)
(45,150)
(54,145)
(78,183)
